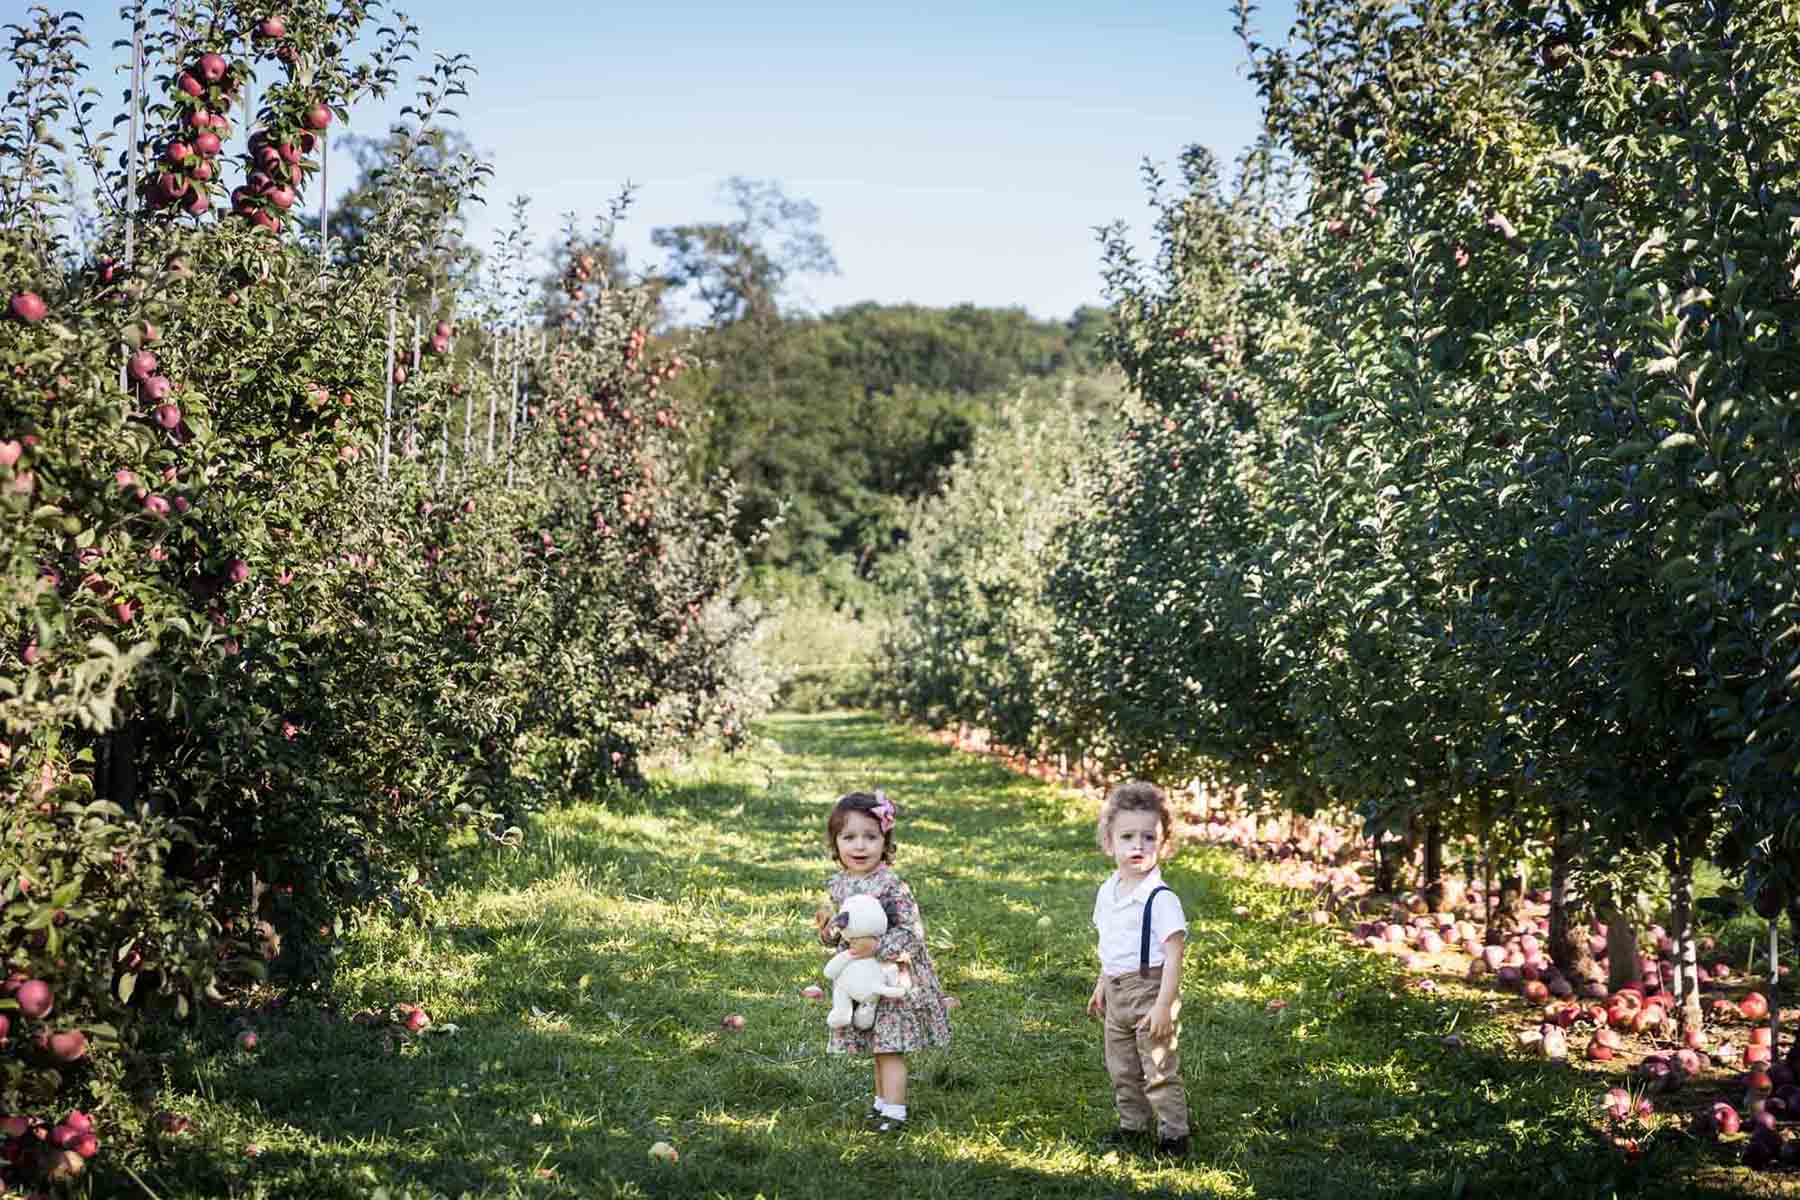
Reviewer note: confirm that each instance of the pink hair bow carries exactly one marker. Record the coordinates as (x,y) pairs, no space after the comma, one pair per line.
(883,811)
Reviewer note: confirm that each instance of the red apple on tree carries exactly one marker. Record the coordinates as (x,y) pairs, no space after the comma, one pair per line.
(318,117)
(271,27)
(190,85)
(211,67)
(28,307)
(207,143)
(35,999)
(167,415)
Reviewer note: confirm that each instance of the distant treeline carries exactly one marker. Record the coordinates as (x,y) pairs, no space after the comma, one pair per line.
(838,420)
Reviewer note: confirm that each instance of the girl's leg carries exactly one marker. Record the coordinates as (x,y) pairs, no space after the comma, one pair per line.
(890,1078)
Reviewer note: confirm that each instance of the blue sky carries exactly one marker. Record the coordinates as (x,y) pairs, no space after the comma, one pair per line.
(956,151)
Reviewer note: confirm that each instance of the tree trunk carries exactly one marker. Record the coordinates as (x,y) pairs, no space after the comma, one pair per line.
(1687,960)
(1568,937)
(1434,866)
(121,766)
(1384,866)
(1775,985)
(1621,950)
(1508,916)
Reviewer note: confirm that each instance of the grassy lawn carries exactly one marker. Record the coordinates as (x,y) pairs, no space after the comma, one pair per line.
(577,984)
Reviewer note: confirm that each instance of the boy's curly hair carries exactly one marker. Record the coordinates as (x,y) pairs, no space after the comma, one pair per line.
(1136,795)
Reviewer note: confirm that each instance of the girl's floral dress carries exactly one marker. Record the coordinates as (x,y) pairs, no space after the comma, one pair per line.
(917,1019)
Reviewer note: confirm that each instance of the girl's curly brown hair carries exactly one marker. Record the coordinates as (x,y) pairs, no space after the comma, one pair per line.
(862,802)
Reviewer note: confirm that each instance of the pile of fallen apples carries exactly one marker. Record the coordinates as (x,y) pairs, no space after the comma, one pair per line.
(32,1149)
(1764,1099)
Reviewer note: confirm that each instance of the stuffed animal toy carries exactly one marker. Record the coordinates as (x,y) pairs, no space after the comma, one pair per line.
(856,983)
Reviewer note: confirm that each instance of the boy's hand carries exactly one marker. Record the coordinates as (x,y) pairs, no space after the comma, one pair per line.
(1097,1001)
(862,947)
(1160,1021)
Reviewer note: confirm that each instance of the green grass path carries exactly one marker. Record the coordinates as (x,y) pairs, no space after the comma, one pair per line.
(577,986)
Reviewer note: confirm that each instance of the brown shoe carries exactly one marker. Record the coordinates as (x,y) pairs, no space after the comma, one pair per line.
(1172,1147)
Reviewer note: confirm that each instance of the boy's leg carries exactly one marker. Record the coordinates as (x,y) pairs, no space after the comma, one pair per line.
(1123,1011)
(1160,1061)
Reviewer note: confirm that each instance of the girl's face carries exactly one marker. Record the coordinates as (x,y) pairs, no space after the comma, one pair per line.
(859,843)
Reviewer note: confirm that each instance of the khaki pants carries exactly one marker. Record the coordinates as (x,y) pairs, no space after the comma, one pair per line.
(1146,1071)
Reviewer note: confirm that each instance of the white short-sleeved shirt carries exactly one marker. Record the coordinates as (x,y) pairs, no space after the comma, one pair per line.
(1120,920)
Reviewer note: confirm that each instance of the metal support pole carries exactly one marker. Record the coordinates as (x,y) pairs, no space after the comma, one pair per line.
(325,201)
(387,408)
(412,415)
(468,414)
(444,442)
(1774,990)
(512,417)
(131,180)
(493,398)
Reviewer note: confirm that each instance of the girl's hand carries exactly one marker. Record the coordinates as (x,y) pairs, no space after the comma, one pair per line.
(1160,1021)
(862,947)
(822,918)
(1097,1001)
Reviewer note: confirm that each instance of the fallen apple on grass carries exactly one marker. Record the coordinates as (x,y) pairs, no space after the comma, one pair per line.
(663,1152)
(734,1022)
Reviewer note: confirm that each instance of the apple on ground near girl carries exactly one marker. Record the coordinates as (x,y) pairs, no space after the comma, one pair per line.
(813,991)
(663,1152)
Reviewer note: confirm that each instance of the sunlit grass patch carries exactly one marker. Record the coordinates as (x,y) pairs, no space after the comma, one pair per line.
(577,986)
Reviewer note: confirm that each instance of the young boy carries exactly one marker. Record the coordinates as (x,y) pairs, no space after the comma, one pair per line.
(1138,995)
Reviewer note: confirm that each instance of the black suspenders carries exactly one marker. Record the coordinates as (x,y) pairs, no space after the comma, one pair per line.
(1144,941)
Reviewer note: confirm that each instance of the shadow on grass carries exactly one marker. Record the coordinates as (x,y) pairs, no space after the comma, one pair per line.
(589,1028)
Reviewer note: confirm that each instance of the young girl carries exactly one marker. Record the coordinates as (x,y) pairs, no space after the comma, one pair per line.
(860,835)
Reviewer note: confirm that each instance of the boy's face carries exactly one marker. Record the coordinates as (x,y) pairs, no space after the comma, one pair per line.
(1133,839)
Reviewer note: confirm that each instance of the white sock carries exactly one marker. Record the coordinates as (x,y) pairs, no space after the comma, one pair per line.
(896,1111)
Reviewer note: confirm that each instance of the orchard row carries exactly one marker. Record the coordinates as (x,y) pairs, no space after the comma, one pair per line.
(1459,491)
(302,573)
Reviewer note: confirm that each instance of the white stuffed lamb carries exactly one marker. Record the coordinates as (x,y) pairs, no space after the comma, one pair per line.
(856,983)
